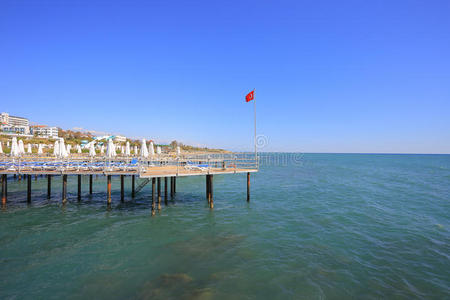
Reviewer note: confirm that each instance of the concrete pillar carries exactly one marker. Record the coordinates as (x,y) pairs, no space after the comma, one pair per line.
(29,188)
(132,186)
(64,188)
(4,188)
(121,188)
(90,184)
(49,186)
(153,196)
(165,190)
(108,188)
(211,191)
(159,192)
(248,186)
(79,188)
(207,189)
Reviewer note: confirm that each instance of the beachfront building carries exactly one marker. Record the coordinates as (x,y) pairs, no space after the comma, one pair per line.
(45,131)
(120,138)
(13,121)
(22,130)
(14,125)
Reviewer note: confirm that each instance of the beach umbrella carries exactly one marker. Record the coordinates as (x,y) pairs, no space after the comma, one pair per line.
(1,148)
(122,149)
(102,149)
(14,147)
(110,149)
(178,150)
(114,149)
(158,150)
(78,149)
(40,149)
(135,150)
(29,148)
(127,149)
(144,151)
(62,149)
(56,148)
(68,148)
(92,150)
(151,149)
(21,148)
(7,144)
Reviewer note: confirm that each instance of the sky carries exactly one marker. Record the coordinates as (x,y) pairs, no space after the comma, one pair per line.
(329,76)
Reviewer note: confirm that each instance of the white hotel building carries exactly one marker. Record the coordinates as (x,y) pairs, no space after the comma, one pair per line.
(14,125)
(45,131)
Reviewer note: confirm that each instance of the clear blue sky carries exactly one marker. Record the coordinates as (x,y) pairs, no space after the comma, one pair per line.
(330,76)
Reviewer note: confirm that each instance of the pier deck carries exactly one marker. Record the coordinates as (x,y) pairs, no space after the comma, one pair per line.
(149,172)
(168,171)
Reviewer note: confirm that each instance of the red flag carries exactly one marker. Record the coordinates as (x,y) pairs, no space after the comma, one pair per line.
(250,96)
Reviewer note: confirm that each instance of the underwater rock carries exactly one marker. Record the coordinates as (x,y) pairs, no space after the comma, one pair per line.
(173,279)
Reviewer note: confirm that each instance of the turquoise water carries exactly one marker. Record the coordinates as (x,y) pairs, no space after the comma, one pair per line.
(333,226)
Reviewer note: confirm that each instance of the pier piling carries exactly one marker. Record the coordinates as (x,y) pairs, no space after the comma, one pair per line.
(79,188)
(49,186)
(28,188)
(109,188)
(211,191)
(4,188)
(171,187)
(165,190)
(132,186)
(153,196)
(248,186)
(207,189)
(121,188)
(174,184)
(64,188)
(159,193)
(90,184)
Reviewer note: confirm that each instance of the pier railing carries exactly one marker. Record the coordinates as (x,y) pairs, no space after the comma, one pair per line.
(129,164)
(203,162)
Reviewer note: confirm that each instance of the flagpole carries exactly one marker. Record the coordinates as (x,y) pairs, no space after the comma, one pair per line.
(254,109)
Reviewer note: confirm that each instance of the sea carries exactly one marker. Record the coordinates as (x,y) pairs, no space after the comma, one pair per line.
(318,226)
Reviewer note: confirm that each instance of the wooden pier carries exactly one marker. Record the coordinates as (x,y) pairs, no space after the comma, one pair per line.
(154,170)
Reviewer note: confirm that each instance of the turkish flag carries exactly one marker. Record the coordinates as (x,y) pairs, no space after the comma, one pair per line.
(250,96)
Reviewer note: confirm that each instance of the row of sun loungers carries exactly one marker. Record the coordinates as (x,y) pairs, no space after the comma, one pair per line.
(90,166)
(68,166)
(196,167)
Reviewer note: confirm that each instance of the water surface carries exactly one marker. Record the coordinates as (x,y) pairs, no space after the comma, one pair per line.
(318,226)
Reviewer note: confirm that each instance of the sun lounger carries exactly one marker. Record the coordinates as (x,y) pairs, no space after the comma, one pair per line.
(196,167)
